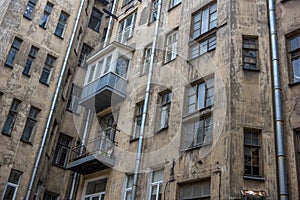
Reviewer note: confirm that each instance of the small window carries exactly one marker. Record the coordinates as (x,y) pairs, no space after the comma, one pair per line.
(164,110)
(128,187)
(47,70)
(156,185)
(297,150)
(171,47)
(30,124)
(45,17)
(61,24)
(252,153)
(201,47)
(12,184)
(250,53)
(195,190)
(95,190)
(147,59)
(29,8)
(174,3)
(138,120)
(11,117)
(62,150)
(294,58)
(30,59)
(13,52)
(74,98)
(126,28)
(85,51)
(95,20)
(153,11)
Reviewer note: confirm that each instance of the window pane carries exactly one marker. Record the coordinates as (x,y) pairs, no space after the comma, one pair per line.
(11,56)
(205,16)
(8,123)
(201,95)
(9,192)
(14,176)
(122,66)
(96,186)
(296,69)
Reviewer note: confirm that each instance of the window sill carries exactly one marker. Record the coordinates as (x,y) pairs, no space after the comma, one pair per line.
(165,63)
(43,27)
(294,84)
(26,17)
(59,166)
(174,6)
(9,65)
(27,75)
(204,36)
(133,140)
(160,130)
(97,31)
(251,70)
(6,134)
(26,142)
(254,178)
(59,36)
(143,74)
(203,111)
(198,56)
(47,84)
(71,111)
(196,147)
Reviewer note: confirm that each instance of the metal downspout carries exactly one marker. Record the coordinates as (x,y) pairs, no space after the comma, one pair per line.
(282,177)
(146,102)
(110,23)
(54,101)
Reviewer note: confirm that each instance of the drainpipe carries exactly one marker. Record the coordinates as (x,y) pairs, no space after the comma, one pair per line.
(282,177)
(145,107)
(54,101)
(113,9)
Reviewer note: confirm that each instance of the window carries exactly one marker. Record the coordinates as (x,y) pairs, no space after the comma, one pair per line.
(47,70)
(95,190)
(127,2)
(30,59)
(13,52)
(12,185)
(126,28)
(61,24)
(198,132)
(251,153)
(294,52)
(73,100)
(297,149)
(30,124)
(46,14)
(29,8)
(249,53)
(164,110)
(203,46)
(37,191)
(107,133)
(171,47)
(50,195)
(122,66)
(204,20)
(200,95)
(147,59)
(78,39)
(156,185)
(199,190)
(85,50)
(153,11)
(138,120)
(173,3)
(62,150)
(11,117)
(128,187)
(95,19)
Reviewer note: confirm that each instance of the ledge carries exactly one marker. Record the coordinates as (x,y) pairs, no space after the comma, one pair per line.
(251,70)
(294,84)
(133,140)
(47,84)
(196,147)
(254,178)
(174,7)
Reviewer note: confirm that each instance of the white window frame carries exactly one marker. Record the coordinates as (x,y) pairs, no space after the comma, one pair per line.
(137,115)
(86,184)
(124,30)
(12,185)
(158,184)
(147,59)
(126,189)
(171,46)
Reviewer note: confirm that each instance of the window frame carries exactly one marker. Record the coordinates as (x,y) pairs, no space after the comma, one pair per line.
(138,115)
(59,150)
(194,183)
(13,112)
(94,18)
(46,15)
(153,11)
(297,152)
(294,55)
(61,24)
(13,185)
(100,194)
(31,121)
(174,3)
(247,55)
(123,28)
(73,99)
(203,46)
(85,51)
(171,47)
(29,8)
(30,59)
(158,184)
(15,47)
(47,69)
(127,189)
(147,59)
(164,106)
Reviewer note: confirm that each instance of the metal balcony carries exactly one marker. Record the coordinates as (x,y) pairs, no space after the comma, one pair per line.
(96,155)
(104,92)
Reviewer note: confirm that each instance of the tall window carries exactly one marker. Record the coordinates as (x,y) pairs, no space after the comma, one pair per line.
(30,124)
(78,39)
(156,185)
(107,133)
(61,24)
(30,59)
(12,185)
(174,3)
(29,8)
(297,149)
(85,50)
(164,110)
(195,190)
(11,117)
(198,132)
(147,59)
(201,95)
(294,53)
(73,100)
(128,187)
(171,47)
(47,70)
(122,66)
(46,14)
(251,153)
(61,153)
(13,52)
(95,190)
(138,120)
(153,11)
(95,19)
(249,53)
(126,28)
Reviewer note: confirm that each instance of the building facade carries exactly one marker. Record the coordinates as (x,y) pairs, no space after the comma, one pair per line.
(158,99)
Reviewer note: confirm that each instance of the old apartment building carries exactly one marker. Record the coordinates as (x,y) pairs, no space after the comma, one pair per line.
(150,99)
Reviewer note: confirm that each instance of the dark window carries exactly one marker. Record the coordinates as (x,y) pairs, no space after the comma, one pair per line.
(61,24)
(50,195)
(153,13)
(95,19)
(128,187)
(249,53)
(11,117)
(138,120)
(297,149)
(13,52)
(199,190)
(251,153)
(12,185)
(29,8)
(46,73)
(78,39)
(30,59)
(294,52)
(164,110)
(85,51)
(73,101)
(95,190)
(30,124)
(62,150)
(46,14)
